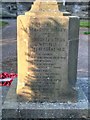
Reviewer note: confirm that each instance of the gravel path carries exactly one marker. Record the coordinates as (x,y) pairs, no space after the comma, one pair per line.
(83,54)
(8,43)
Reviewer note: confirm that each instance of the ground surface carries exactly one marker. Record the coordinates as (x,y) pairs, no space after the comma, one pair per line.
(8,44)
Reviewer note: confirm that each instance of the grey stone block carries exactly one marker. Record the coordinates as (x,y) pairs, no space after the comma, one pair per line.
(12,108)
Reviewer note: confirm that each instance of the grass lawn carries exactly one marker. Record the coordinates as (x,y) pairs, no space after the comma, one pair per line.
(87,33)
(2,23)
(85,24)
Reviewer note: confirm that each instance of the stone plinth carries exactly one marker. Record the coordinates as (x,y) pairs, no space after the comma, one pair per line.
(12,108)
(47,54)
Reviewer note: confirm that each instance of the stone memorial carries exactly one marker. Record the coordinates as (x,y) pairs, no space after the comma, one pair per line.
(47,47)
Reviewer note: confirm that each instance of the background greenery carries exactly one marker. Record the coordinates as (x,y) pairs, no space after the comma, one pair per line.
(2,23)
(85,24)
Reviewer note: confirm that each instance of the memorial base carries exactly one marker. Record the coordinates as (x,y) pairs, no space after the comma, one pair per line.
(28,110)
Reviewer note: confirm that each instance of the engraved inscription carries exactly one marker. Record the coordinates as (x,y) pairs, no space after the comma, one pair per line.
(47,51)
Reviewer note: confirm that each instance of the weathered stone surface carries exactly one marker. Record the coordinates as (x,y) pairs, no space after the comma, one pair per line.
(46,69)
(73,37)
(13,109)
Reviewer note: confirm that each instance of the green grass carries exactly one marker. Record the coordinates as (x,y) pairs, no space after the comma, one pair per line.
(87,33)
(85,24)
(2,23)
